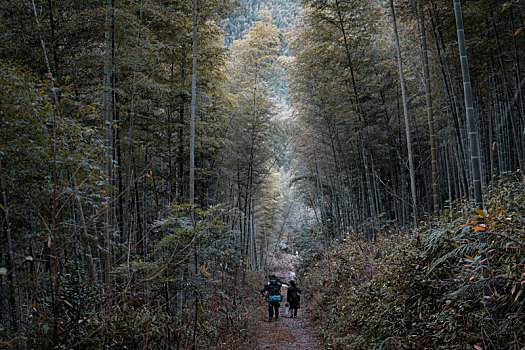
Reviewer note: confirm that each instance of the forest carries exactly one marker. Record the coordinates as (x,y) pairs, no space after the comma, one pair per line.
(160,158)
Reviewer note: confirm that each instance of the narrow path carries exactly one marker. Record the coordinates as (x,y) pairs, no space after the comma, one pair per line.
(286,333)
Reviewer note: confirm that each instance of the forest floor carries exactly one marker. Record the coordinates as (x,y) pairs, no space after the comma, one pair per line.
(285,333)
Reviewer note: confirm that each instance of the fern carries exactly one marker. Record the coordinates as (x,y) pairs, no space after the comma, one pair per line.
(457,253)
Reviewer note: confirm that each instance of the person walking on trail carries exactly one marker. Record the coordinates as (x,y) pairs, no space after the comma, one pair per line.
(272,293)
(293,297)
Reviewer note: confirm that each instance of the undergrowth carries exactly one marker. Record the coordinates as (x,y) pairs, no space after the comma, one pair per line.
(456,283)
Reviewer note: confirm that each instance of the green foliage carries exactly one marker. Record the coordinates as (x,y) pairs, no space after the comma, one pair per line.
(427,291)
(254,137)
(33,124)
(249,11)
(139,307)
(111,261)
(196,257)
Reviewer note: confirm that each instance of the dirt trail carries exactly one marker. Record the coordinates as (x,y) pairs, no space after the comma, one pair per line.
(286,333)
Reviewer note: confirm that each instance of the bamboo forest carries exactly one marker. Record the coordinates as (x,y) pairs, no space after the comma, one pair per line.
(262,174)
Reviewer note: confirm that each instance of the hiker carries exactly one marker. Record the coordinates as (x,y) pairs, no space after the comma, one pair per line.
(272,293)
(293,297)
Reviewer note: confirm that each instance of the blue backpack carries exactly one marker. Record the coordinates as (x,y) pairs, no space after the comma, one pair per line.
(273,298)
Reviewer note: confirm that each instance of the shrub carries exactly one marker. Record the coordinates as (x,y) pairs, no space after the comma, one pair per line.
(456,283)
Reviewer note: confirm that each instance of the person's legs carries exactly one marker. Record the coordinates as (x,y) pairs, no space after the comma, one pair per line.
(293,310)
(270,311)
(276,311)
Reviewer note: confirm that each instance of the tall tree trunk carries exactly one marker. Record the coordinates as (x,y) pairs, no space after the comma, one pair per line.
(11,267)
(108,134)
(320,196)
(131,158)
(53,40)
(430,110)
(169,134)
(494,105)
(117,151)
(182,102)
(448,170)
(192,155)
(53,280)
(520,137)
(193,107)
(451,93)
(405,112)
(473,134)
(360,123)
(507,124)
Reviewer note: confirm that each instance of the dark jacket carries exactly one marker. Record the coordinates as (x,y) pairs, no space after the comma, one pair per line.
(293,296)
(271,285)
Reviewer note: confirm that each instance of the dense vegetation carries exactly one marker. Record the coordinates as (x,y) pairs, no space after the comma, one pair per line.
(100,247)
(156,155)
(59,289)
(425,290)
(352,158)
(457,280)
